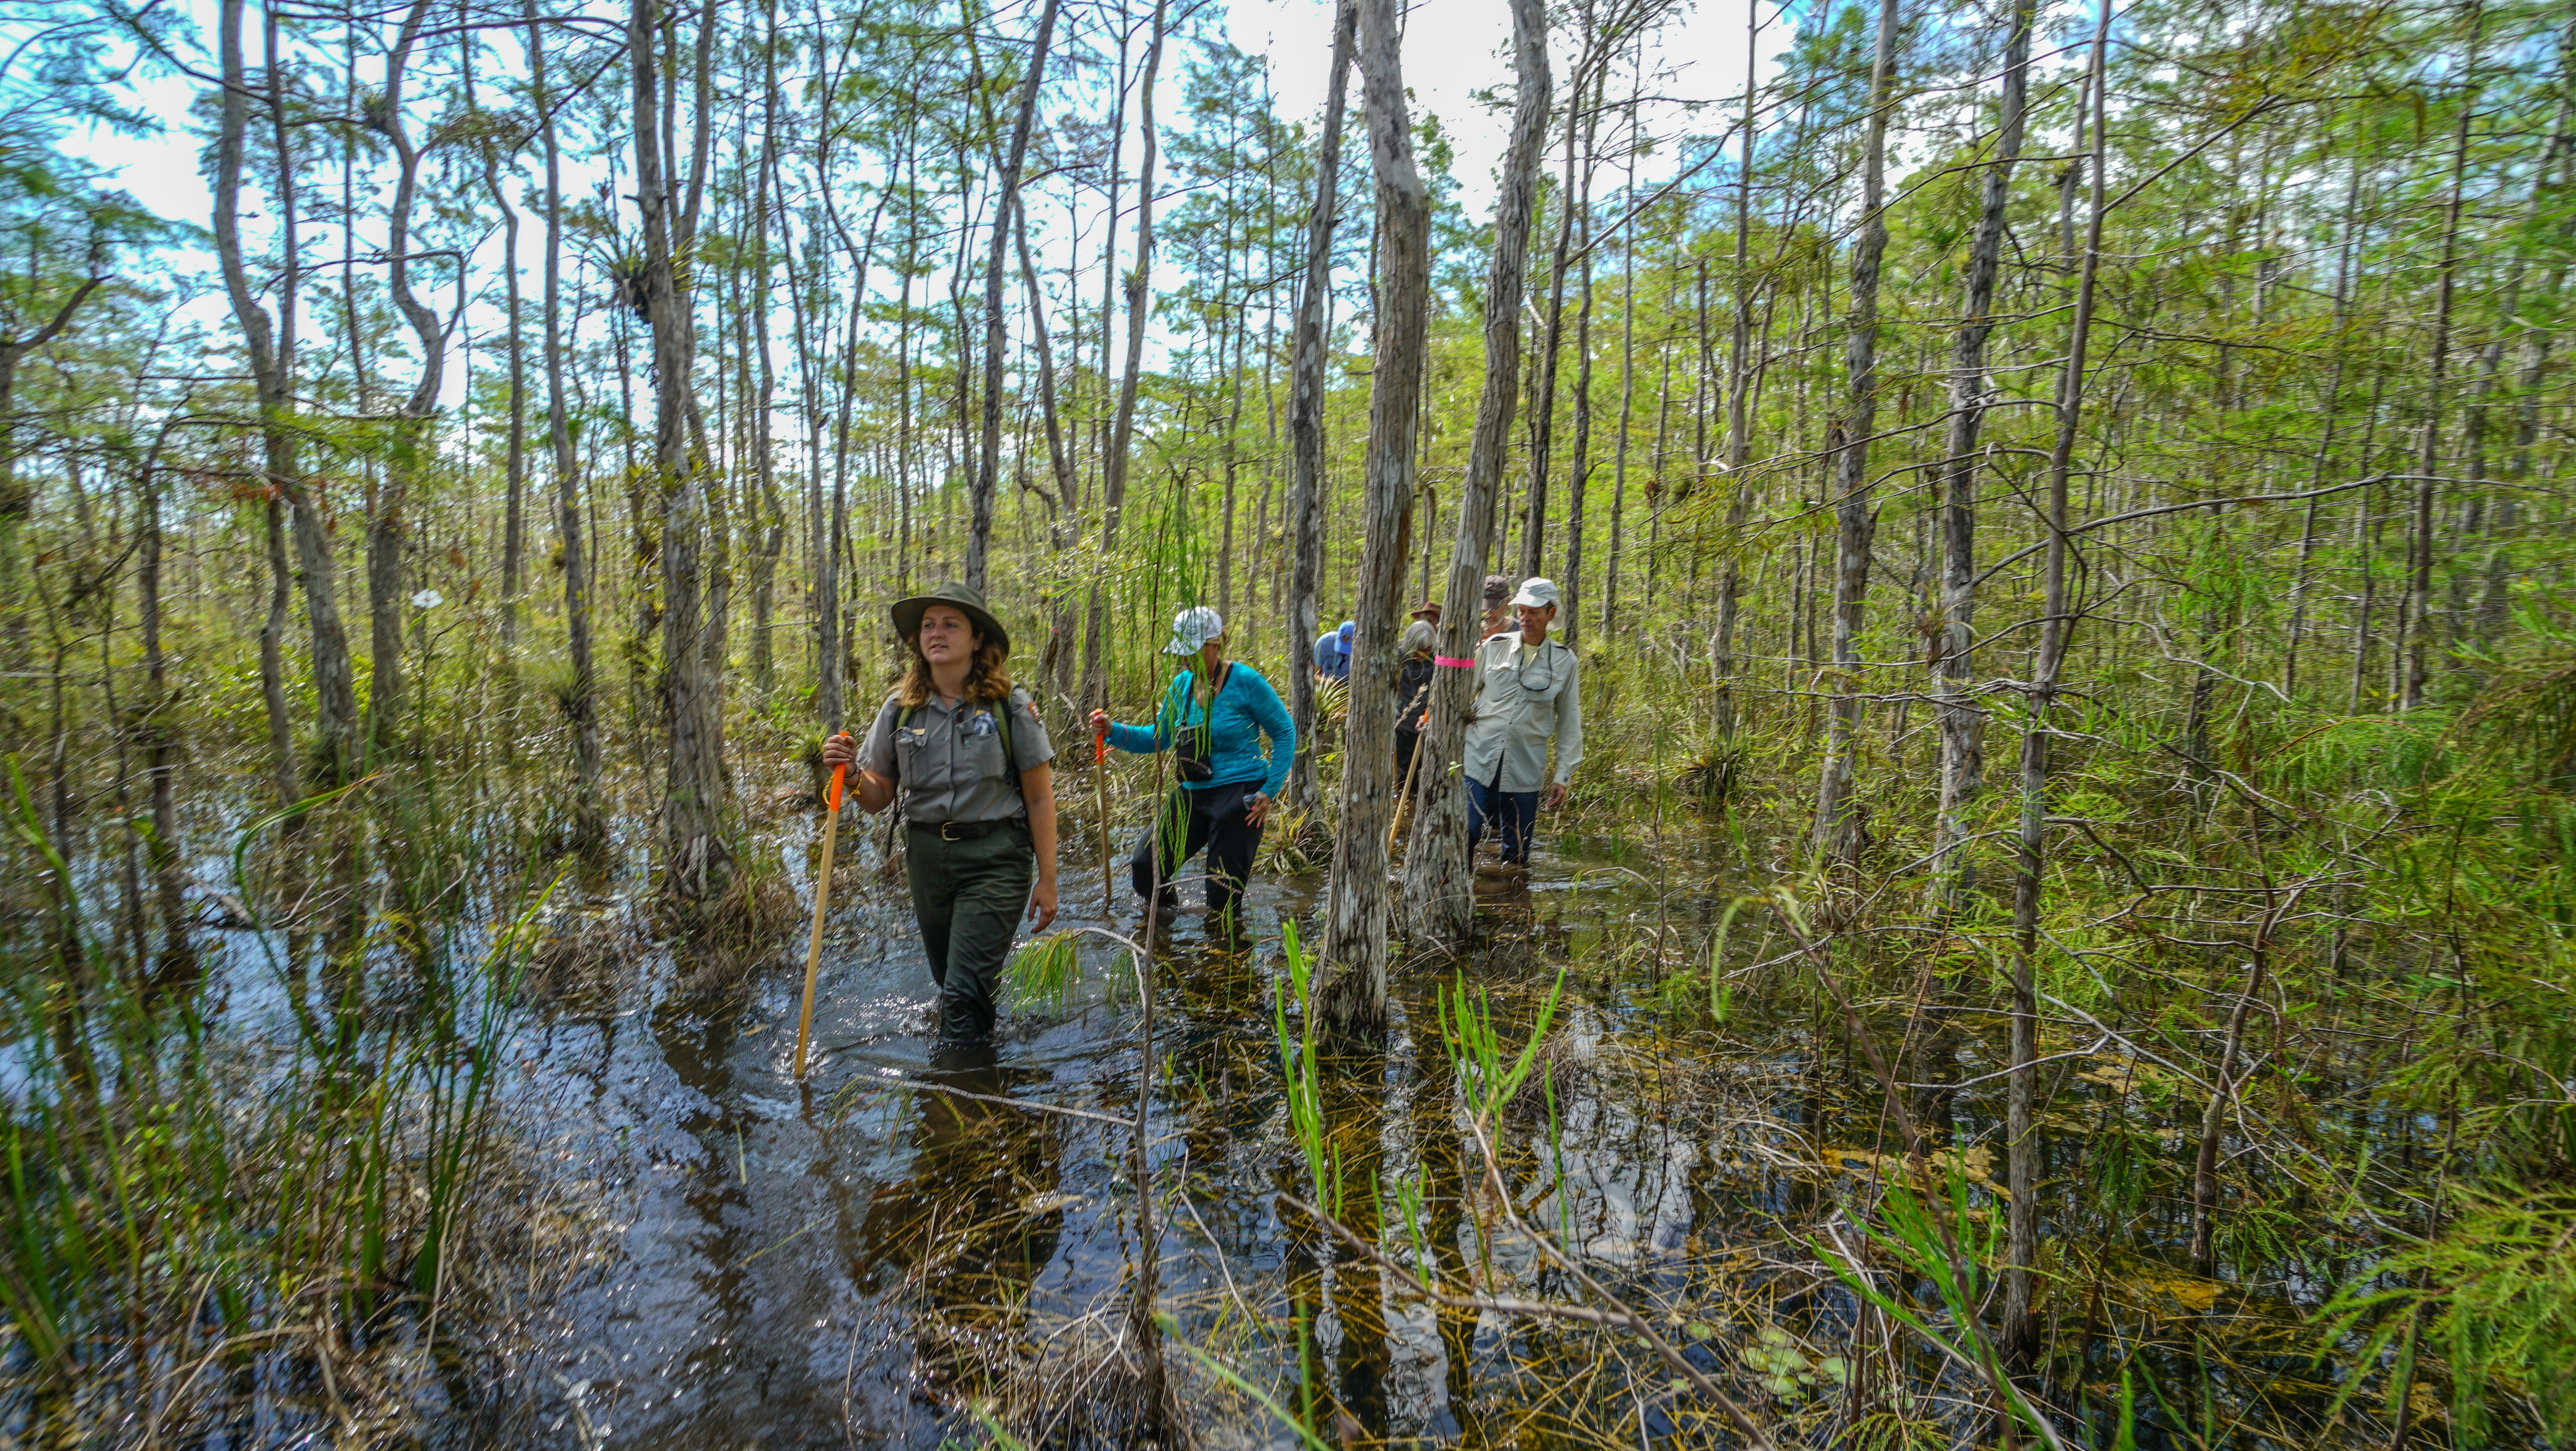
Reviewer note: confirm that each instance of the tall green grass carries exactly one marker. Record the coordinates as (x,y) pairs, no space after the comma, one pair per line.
(184,1203)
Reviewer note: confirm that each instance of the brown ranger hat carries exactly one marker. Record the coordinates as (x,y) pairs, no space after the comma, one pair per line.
(907,613)
(1427,610)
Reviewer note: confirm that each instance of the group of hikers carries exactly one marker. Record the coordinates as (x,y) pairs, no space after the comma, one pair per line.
(969,756)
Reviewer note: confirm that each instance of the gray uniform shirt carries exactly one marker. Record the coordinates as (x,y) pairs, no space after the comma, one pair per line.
(1524,696)
(947,760)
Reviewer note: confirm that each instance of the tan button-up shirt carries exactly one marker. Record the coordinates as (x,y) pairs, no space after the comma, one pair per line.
(947,760)
(1524,696)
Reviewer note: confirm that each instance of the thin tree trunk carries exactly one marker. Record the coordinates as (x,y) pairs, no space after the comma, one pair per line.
(2021,1111)
(413,452)
(1627,382)
(2414,622)
(1542,414)
(515,466)
(1963,724)
(2325,440)
(1138,297)
(996,333)
(272,658)
(1306,416)
(1839,827)
(1350,988)
(771,537)
(1437,883)
(697,862)
(581,707)
(1579,467)
(1739,432)
(271,352)
(159,708)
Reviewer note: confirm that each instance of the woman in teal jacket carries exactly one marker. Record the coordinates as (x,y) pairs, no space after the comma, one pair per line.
(1216,715)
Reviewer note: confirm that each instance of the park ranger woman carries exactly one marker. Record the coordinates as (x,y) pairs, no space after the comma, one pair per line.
(970,758)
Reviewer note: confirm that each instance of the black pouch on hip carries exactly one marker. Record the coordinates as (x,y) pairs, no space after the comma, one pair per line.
(1191,755)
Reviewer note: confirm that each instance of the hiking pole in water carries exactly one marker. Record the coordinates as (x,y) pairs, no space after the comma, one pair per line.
(1100,781)
(822,900)
(1404,798)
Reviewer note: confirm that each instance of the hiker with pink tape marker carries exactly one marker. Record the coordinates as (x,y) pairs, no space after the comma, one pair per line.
(1528,693)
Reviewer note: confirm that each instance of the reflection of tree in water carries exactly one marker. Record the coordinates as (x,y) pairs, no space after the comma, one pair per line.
(968,1230)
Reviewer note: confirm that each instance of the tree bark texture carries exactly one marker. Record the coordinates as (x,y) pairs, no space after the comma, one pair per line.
(696,860)
(1350,987)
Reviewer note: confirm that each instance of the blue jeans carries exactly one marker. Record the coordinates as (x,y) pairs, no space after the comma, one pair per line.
(1513,812)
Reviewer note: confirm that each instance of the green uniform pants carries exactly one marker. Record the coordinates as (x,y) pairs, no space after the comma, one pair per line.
(968,897)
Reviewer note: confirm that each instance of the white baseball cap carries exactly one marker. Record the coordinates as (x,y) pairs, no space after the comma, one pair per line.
(1193,628)
(1536,593)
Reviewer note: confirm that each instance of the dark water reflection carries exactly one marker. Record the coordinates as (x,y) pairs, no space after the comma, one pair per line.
(861,1258)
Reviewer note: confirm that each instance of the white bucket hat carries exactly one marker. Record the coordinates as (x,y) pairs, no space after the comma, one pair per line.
(1536,593)
(1193,628)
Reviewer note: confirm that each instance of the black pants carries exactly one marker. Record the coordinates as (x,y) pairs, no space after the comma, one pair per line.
(1407,741)
(1190,821)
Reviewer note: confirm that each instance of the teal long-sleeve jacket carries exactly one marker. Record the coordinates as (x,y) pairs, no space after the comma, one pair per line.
(1246,708)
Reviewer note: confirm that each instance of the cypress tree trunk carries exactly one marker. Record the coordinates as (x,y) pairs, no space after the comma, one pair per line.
(771,539)
(1436,881)
(2021,1109)
(697,863)
(1542,414)
(1350,988)
(1739,435)
(1006,201)
(1579,467)
(581,706)
(1306,417)
(1838,831)
(271,352)
(1139,299)
(1963,725)
(2414,622)
(412,453)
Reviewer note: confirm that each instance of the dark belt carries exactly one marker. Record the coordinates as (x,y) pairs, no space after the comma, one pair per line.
(965,830)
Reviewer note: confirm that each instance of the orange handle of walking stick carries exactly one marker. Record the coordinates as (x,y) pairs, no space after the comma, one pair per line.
(839,773)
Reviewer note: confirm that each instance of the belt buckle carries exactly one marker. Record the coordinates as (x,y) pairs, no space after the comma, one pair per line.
(947,831)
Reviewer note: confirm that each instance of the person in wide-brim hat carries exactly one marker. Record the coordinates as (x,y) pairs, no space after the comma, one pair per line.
(906,612)
(968,755)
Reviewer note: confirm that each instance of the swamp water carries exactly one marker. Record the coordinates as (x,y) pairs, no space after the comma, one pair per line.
(886,1255)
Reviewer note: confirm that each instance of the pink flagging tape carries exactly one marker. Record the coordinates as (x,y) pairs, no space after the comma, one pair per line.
(1453,662)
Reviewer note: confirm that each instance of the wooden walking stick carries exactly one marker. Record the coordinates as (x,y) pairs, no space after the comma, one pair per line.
(822,900)
(1100,782)
(1394,818)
